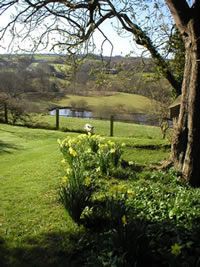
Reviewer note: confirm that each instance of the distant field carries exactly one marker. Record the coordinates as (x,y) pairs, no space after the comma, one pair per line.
(132,102)
(61,67)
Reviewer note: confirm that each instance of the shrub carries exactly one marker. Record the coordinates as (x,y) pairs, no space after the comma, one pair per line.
(151,219)
(156,216)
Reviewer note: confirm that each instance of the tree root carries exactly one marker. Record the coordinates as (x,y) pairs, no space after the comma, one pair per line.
(166,164)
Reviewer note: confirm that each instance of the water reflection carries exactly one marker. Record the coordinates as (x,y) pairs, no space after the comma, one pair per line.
(138,118)
(68,112)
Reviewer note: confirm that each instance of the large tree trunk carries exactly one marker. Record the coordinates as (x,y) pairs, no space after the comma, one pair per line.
(179,141)
(186,141)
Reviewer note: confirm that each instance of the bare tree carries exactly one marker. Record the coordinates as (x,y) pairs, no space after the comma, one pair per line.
(76,21)
(12,88)
(4,106)
(18,87)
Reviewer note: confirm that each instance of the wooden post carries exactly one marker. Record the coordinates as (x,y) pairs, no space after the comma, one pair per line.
(6,112)
(111,125)
(57,118)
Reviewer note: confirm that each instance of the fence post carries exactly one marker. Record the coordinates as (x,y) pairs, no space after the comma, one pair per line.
(6,112)
(57,118)
(111,125)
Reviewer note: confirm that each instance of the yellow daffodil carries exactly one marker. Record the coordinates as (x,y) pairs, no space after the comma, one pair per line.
(112,151)
(122,188)
(101,145)
(176,249)
(131,193)
(124,222)
(88,181)
(123,145)
(113,189)
(111,143)
(63,161)
(98,169)
(130,163)
(96,137)
(68,171)
(64,180)
(72,152)
(69,142)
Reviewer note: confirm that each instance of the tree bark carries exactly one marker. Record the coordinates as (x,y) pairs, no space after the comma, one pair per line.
(179,141)
(185,151)
(191,164)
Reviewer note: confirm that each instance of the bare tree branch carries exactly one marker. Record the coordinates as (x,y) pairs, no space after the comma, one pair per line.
(72,24)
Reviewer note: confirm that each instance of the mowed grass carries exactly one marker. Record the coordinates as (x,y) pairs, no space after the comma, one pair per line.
(102,127)
(35,230)
(30,216)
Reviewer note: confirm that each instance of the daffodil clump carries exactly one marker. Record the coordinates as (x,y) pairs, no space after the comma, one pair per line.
(121,191)
(85,159)
(91,151)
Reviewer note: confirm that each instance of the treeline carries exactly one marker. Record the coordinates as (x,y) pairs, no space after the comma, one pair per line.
(119,74)
(25,82)
(27,79)
(90,74)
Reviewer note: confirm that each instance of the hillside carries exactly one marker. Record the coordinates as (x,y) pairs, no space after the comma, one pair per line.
(123,83)
(130,102)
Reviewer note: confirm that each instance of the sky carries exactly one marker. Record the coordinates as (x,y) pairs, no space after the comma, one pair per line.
(122,46)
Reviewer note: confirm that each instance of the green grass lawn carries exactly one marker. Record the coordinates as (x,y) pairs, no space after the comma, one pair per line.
(30,216)
(35,230)
(102,127)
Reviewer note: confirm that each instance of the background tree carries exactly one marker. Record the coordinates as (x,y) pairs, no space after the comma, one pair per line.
(75,21)
(4,106)
(12,89)
(21,85)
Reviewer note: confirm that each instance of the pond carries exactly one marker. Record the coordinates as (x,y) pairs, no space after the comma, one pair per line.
(68,112)
(139,118)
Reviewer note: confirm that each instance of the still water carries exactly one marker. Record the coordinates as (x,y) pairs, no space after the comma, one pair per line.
(68,112)
(139,118)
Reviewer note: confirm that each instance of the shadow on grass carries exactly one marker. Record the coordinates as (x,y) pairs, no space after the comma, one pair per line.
(6,147)
(45,250)
(140,243)
(28,135)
